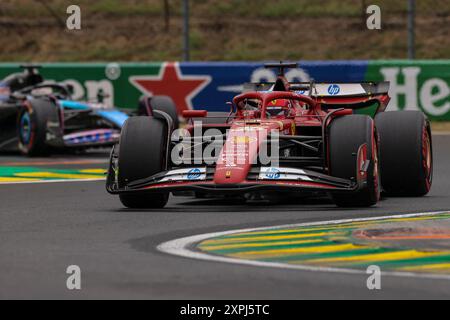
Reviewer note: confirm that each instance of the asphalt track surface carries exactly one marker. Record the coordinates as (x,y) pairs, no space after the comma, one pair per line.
(46,227)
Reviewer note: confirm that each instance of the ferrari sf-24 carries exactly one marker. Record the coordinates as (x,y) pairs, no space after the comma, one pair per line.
(324,145)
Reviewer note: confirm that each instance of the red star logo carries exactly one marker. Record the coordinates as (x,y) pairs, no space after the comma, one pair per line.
(170,82)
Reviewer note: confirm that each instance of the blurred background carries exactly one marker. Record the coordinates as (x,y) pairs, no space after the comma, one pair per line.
(250,30)
(124,46)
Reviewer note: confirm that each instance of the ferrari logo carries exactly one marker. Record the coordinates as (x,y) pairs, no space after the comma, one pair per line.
(228,174)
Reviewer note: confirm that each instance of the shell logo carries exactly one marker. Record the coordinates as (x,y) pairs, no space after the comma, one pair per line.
(243,139)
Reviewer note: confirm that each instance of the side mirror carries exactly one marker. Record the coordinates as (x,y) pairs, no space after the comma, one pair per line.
(188,114)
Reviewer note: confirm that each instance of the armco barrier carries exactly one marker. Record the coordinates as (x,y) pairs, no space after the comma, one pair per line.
(415,85)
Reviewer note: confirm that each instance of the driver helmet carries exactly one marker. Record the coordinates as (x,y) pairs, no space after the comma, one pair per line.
(278,107)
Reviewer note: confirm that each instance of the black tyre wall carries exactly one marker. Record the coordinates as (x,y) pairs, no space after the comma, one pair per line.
(40,112)
(346,135)
(142,153)
(162,103)
(402,135)
(142,149)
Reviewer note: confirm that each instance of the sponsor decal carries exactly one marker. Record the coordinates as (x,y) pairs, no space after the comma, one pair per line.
(95,136)
(113,71)
(333,89)
(418,88)
(244,139)
(194,174)
(273,173)
(185,174)
(277,173)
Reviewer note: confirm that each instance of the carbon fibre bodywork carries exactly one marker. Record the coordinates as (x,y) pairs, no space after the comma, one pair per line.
(298,115)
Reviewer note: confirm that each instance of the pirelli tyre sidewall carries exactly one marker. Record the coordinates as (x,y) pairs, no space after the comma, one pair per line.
(142,153)
(32,126)
(406,153)
(346,135)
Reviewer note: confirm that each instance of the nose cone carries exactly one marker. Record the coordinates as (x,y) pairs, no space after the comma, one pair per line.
(238,154)
(230,175)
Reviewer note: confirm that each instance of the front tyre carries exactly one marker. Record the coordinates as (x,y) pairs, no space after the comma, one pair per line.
(142,153)
(347,134)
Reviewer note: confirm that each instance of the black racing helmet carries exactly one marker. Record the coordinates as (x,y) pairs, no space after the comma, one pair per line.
(29,77)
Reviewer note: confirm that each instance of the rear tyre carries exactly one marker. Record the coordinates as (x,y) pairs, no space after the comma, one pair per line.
(160,103)
(167,105)
(406,155)
(32,127)
(142,153)
(346,136)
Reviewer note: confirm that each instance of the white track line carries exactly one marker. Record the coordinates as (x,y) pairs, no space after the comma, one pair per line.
(184,247)
(51,181)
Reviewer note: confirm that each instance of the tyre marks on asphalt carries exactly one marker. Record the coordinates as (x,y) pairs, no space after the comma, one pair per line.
(415,244)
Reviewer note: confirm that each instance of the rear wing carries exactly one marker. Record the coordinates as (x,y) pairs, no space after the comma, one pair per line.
(360,89)
(337,95)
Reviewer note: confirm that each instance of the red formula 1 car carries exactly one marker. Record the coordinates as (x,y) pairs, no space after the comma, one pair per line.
(298,138)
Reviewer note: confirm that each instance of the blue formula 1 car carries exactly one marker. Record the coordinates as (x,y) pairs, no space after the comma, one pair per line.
(38,117)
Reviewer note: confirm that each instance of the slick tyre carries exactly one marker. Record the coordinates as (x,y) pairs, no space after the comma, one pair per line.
(346,135)
(406,154)
(142,153)
(160,103)
(32,126)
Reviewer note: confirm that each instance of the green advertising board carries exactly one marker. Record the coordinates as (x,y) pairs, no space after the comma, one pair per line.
(415,85)
(423,85)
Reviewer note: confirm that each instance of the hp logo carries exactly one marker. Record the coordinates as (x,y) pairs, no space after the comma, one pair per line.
(273,173)
(194,174)
(333,89)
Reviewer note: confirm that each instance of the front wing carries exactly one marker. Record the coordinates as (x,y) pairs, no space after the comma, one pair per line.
(258,179)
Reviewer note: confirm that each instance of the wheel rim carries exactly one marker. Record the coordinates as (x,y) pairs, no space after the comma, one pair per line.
(25,128)
(376,172)
(427,157)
